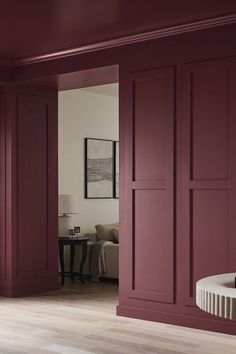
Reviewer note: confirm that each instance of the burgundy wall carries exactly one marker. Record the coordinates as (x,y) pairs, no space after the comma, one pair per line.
(208,171)
(178,199)
(31,225)
(178,174)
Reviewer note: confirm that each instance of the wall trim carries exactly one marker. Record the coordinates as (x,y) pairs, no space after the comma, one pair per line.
(33,287)
(176,319)
(130,39)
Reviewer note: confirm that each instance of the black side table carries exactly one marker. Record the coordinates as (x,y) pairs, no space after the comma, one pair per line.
(72,242)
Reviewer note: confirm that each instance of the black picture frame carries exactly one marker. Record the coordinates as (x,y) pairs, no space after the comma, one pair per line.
(88,194)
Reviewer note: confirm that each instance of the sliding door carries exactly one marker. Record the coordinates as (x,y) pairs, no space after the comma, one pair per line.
(208,172)
(149,185)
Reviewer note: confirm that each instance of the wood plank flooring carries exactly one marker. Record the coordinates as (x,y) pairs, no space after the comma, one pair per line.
(81,320)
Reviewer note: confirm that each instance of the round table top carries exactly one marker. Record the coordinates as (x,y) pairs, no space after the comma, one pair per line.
(217,295)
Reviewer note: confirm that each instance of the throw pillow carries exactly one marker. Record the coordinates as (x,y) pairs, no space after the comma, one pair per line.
(106,232)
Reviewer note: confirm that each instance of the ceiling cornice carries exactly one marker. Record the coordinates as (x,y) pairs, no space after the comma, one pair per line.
(130,39)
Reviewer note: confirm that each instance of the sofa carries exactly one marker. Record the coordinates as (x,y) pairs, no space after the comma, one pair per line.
(111,250)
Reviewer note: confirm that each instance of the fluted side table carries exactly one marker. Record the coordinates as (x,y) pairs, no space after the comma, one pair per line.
(217,295)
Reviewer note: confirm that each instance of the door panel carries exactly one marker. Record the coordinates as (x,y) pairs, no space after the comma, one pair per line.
(28,191)
(33,185)
(209,141)
(208,180)
(151,186)
(150,128)
(151,244)
(37,186)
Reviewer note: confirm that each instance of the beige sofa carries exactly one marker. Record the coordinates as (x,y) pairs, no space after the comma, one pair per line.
(111,256)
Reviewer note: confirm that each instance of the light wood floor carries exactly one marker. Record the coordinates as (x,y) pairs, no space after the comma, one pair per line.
(82,320)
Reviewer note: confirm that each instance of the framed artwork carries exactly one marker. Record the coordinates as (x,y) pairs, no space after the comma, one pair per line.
(116,172)
(99,168)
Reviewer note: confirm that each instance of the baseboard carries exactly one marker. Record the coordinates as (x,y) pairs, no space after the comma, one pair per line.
(29,289)
(215,325)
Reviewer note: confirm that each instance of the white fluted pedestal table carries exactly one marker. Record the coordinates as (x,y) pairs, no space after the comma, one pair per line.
(217,295)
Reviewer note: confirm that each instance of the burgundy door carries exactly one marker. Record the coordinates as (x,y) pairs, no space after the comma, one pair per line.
(194,197)
(208,172)
(149,185)
(37,184)
(31,175)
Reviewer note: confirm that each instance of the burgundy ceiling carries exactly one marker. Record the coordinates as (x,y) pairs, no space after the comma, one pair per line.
(34,27)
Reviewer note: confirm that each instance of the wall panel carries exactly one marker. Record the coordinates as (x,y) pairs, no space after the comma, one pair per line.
(178,190)
(151,186)
(32,185)
(36,166)
(31,243)
(207,182)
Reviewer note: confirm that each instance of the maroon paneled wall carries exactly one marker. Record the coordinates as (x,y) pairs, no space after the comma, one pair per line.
(208,171)
(178,132)
(31,210)
(177,174)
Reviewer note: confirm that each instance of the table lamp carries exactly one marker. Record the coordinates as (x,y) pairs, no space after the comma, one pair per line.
(67,205)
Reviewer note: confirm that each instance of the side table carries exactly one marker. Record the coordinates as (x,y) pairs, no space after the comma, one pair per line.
(72,242)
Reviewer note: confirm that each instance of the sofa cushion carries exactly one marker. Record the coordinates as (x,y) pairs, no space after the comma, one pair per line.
(106,232)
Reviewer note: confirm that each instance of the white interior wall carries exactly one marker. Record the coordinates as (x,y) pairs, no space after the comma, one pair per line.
(86,114)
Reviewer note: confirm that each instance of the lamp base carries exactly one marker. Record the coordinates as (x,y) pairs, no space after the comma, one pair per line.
(64,225)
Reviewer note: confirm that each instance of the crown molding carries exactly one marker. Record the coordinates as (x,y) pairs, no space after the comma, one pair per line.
(130,39)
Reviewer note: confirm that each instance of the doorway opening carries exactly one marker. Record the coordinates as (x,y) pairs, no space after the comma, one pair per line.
(88,183)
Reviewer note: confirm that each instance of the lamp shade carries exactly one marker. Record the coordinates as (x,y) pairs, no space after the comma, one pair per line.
(67,204)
